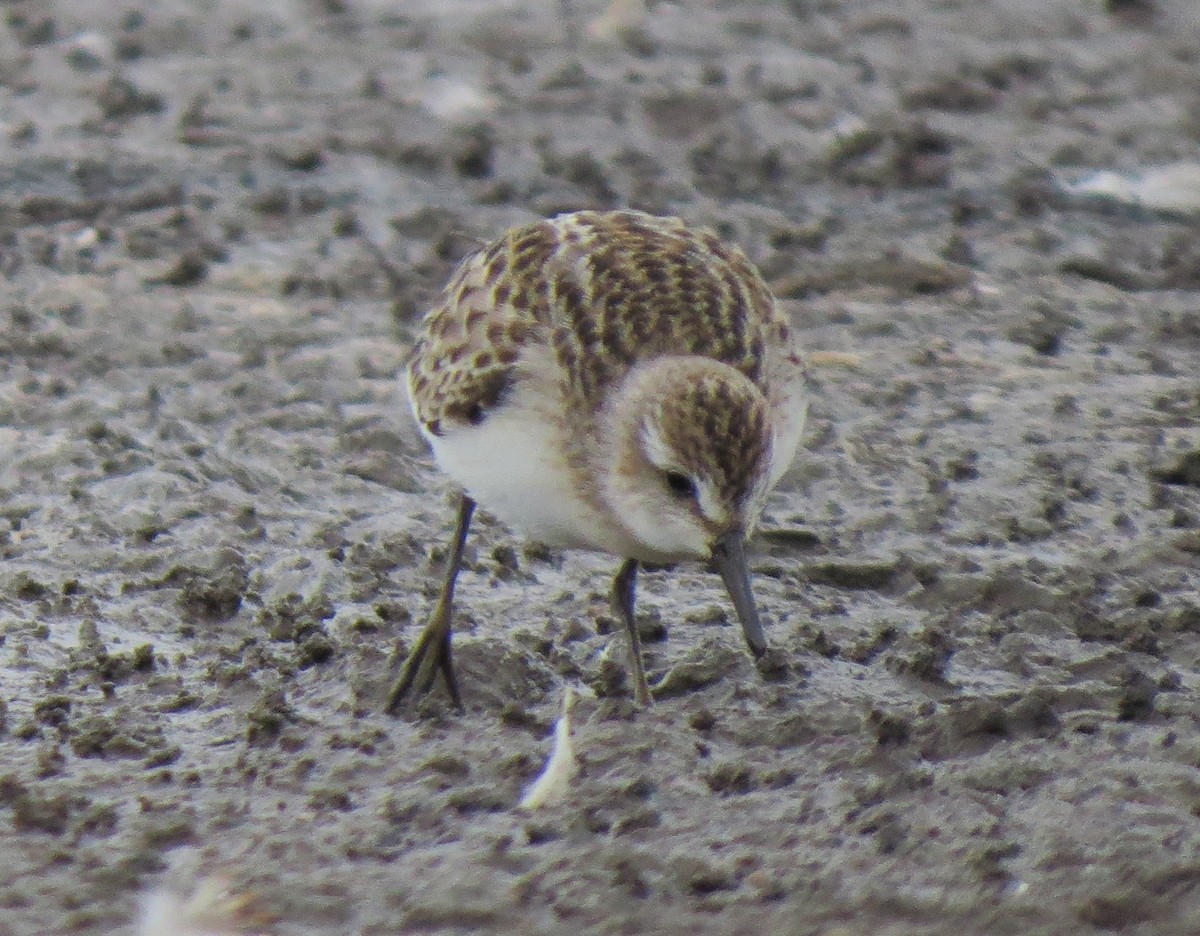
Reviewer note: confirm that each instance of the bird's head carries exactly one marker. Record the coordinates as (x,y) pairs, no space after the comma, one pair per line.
(690,442)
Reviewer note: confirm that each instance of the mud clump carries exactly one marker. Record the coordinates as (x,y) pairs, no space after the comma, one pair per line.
(214,594)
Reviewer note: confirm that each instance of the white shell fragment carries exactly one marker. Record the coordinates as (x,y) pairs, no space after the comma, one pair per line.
(453,100)
(1173,188)
(621,17)
(555,779)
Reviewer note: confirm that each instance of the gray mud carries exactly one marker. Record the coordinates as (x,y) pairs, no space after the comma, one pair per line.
(221,222)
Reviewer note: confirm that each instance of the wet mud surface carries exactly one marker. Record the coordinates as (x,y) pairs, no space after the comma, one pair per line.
(220,223)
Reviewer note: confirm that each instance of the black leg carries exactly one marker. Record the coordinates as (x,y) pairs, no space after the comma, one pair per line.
(624,594)
(432,650)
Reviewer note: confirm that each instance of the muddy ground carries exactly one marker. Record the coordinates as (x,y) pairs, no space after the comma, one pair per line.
(221,222)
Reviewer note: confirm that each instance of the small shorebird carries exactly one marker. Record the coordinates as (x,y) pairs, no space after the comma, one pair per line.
(611,381)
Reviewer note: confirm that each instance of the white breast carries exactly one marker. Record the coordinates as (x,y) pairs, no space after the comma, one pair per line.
(514,465)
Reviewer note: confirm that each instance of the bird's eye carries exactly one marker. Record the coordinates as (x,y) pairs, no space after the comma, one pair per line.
(680,484)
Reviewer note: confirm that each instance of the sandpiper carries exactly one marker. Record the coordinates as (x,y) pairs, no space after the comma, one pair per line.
(612,381)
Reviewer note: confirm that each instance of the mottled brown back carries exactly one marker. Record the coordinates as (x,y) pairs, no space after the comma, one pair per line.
(603,290)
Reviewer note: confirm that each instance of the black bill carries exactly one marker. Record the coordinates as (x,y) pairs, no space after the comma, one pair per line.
(729,561)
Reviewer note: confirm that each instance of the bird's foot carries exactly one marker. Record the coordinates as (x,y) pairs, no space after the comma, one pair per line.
(429,656)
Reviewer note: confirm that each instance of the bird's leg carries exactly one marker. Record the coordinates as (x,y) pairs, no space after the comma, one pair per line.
(623,595)
(432,650)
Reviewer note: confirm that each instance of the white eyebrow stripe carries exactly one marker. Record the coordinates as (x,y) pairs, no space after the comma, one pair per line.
(709,501)
(660,455)
(654,444)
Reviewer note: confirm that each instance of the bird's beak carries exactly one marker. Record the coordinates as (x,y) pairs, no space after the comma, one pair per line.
(729,561)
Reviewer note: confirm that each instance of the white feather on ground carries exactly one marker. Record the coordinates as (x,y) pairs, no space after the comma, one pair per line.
(554,781)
